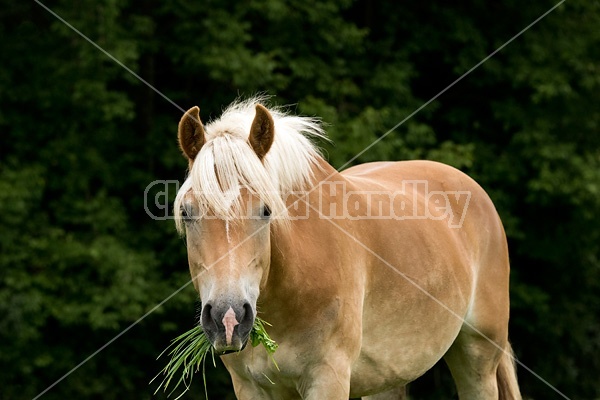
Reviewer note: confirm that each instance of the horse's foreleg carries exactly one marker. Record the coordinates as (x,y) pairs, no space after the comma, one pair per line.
(329,380)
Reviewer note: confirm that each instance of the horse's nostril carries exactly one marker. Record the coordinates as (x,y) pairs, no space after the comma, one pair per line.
(248,314)
(206,318)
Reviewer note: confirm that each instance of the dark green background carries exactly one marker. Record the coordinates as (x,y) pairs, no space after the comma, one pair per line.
(81,138)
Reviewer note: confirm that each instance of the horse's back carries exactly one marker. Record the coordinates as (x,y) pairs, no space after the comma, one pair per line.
(392,174)
(470,211)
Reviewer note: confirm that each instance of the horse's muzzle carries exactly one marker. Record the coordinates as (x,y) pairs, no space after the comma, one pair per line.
(227,326)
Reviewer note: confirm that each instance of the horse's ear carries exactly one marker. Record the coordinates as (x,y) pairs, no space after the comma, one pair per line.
(191,133)
(262,131)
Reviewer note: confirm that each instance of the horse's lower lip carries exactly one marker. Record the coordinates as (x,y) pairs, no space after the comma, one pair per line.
(230,349)
(226,349)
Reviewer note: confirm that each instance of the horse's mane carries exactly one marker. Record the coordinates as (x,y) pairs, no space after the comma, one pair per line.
(227,162)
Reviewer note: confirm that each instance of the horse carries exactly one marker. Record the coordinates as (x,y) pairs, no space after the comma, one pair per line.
(368,277)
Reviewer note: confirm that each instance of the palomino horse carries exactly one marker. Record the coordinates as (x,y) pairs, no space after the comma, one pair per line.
(368,276)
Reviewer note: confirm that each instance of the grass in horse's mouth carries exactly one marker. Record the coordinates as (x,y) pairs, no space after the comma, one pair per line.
(188,353)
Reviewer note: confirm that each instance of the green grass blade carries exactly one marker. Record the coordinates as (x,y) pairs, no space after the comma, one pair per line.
(187,354)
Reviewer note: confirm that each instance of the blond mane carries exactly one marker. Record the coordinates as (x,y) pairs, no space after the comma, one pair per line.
(227,163)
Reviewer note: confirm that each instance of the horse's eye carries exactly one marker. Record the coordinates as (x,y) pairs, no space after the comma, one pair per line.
(185,215)
(265,212)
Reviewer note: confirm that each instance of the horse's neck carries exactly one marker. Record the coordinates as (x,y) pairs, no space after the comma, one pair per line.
(311,262)
(308,245)
(326,187)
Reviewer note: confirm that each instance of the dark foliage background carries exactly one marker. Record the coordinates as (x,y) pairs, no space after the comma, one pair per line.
(81,138)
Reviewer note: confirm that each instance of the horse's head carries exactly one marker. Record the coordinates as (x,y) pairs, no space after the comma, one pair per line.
(227,222)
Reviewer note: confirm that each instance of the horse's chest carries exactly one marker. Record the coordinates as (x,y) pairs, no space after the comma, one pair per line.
(263,377)
(260,377)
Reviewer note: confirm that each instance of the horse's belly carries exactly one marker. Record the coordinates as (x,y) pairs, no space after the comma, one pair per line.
(389,360)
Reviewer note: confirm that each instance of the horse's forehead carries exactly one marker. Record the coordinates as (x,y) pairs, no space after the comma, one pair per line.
(215,234)
(213,225)
(244,193)
(218,228)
